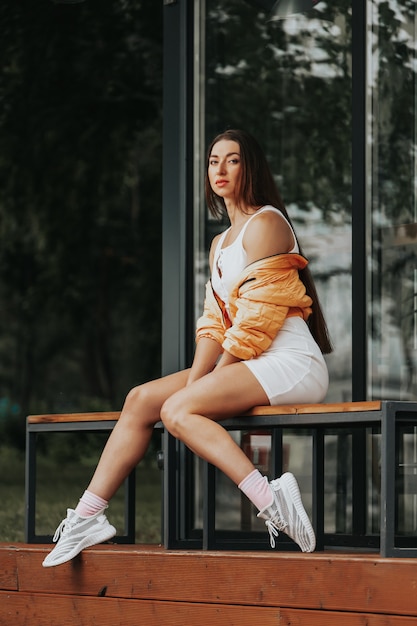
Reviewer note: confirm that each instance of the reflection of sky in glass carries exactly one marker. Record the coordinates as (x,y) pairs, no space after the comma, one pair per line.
(310,33)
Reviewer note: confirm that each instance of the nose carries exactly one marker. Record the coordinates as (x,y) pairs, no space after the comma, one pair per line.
(221,166)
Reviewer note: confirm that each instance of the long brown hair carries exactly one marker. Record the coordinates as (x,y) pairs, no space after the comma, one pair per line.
(256,188)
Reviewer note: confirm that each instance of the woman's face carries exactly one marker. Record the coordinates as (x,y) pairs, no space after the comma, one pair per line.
(224,168)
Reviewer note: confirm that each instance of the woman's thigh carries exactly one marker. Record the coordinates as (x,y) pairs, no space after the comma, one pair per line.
(220,394)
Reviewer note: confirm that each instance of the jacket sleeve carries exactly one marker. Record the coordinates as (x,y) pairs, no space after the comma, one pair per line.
(260,310)
(211,324)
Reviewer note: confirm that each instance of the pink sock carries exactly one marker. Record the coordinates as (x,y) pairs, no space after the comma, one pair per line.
(90,504)
(256,488)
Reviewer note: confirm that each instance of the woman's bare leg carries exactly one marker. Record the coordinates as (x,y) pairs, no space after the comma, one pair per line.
(191,413)
(130,437)
(125,447)
(225,392)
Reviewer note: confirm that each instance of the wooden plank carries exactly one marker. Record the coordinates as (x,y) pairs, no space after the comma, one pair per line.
(20,608)
(8,570)
(55,610)
(283,409)
(73,417)
(293,580)
(338,407)
(295,617)
(302,409)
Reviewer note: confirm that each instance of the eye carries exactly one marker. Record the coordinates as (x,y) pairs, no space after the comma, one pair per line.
(213,162)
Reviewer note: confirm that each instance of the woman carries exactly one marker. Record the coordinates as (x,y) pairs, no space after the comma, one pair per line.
(254,347)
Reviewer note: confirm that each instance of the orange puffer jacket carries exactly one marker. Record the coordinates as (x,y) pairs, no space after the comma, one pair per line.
(266,293)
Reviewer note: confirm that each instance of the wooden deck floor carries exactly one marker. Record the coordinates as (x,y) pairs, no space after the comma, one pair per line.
(113,585)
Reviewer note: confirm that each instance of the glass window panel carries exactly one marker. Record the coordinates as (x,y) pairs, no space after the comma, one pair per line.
(287,82)
(393,219)
(338,483)
(298,459)
(392,154)
(406,481)
(373,477)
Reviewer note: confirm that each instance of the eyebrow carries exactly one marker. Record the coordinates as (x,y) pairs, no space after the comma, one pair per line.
(227,155)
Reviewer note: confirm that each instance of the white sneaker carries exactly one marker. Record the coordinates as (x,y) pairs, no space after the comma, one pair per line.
(76,533)
(287,514)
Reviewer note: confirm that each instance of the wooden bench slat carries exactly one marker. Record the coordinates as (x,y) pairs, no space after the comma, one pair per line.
(339,407)
(302,409)
(73,417)
(284,409)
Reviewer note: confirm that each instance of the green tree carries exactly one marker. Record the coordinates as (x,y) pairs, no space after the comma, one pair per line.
(80,200)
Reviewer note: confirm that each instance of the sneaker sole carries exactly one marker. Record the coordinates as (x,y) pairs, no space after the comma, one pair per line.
(87,542)
(291,486)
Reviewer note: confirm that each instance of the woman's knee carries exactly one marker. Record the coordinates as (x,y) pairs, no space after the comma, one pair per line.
(134,398)
(140,404)
(173,416)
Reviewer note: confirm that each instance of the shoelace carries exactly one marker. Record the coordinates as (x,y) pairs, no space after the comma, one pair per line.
(273,532)
(274,526)
(65,526)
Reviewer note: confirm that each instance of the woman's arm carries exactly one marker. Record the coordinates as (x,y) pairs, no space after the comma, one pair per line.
(206,354)
(266,235)
(207,349)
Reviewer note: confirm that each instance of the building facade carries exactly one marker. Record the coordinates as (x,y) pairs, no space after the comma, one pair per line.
(331,95)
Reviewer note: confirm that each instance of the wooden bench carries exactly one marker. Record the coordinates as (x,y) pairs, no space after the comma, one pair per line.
(316,418)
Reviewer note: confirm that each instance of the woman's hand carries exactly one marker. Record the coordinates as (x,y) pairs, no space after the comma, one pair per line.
(227,359)
(206,354)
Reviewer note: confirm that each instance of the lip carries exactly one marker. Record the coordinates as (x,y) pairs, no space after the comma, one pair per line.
(221,182)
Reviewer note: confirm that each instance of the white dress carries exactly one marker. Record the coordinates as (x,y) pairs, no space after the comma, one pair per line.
(292,369)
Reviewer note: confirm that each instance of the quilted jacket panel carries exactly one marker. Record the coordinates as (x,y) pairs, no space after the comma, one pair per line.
(266,293)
